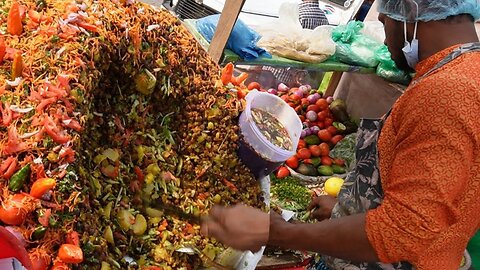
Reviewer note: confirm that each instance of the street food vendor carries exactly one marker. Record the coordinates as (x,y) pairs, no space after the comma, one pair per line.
(412,201)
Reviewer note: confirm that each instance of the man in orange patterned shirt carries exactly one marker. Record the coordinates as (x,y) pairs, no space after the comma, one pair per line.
(412,201)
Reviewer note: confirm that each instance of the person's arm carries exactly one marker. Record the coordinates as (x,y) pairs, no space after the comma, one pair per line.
(247,228)
(343,238)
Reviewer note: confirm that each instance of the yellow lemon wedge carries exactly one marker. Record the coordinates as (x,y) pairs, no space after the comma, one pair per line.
(333,186)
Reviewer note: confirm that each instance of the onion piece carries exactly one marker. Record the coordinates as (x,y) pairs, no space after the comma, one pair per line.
(303,134)
(308,132)
(312,99)
(14,83)
(299,93)
(59,52)
(311,115)
(67,122)
(272,91)
(304,89)
(152,27)
(283,88)
(72,17)
(329,100)
(17,109)
(315,129)
(28,135)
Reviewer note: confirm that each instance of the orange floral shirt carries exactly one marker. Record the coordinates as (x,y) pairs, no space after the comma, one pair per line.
(429,152)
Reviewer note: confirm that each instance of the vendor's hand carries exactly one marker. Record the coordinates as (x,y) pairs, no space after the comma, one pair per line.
(322,207)
(240,227)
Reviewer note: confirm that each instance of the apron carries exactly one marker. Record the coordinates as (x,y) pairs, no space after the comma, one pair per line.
(362,190)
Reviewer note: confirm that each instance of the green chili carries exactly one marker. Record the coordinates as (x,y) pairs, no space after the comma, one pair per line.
(18,179)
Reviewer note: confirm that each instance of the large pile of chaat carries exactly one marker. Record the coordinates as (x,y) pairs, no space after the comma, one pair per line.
(106,108)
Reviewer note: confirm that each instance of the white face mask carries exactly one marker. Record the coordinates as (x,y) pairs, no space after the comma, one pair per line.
(410,50)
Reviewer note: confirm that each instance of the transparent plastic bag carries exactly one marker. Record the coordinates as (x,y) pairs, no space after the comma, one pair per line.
(243,40)
(286,38)
(387,68)
(353,47)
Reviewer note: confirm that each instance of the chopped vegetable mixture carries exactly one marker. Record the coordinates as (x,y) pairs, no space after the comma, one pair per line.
(106,107)
(272,129)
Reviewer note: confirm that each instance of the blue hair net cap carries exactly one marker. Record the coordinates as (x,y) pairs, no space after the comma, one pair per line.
(428,10)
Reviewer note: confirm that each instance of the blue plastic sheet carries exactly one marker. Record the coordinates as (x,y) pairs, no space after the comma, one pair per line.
(243,40)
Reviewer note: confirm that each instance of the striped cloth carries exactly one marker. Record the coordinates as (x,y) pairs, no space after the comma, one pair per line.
(311,15)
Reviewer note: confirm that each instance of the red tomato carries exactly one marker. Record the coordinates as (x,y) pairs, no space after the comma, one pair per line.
(324,149)
(291,104)
(254,85)
(45,217)
(284,98)
(324,135)
(332,130)
(40,259)
(73,238)
(321,116)
(304,153)
(336,139)
(14,210)
(321,125)
(322,104)
(241,94)
(301,144)
(339,162)
(69,253)
(292,162)
(328,122)
(315,150)
(295,97)
(304,102)
(327,161)
(282,172)
(314,108)
(302,118)
(41,186)
(307,161)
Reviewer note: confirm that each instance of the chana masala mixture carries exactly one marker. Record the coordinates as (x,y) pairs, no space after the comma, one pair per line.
(107,107)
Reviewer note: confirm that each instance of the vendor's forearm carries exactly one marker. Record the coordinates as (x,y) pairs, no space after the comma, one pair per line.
(343,238)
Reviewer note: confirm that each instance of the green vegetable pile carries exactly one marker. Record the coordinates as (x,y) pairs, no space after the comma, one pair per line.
(289,194)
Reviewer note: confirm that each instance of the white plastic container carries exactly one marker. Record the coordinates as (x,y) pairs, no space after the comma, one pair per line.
(268,156)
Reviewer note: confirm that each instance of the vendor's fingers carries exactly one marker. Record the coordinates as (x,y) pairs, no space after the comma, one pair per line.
(204,223)
(313,204)
(218,213)
(319,214)
(210,228)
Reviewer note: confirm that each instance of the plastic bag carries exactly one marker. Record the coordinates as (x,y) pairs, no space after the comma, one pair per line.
(374,29)
(242,40)
(353,47)
(286,38)
(320,41)
(387,68)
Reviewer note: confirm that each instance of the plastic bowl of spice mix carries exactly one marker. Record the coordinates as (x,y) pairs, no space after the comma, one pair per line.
(270,131)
